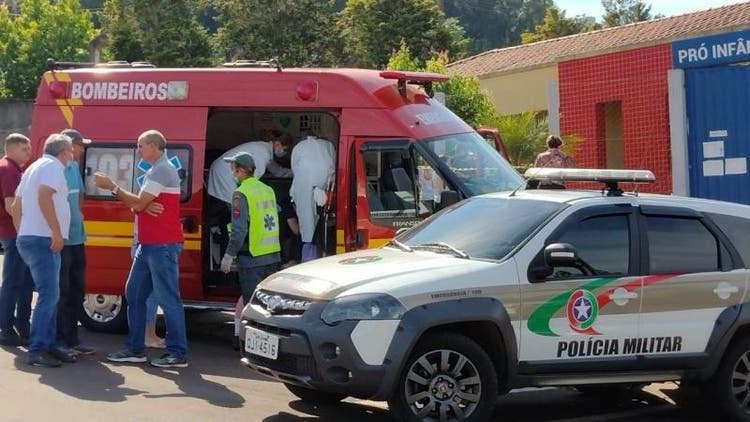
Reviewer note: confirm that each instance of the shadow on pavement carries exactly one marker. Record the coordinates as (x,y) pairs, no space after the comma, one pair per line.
(343,411)
(191,382)
(88,379)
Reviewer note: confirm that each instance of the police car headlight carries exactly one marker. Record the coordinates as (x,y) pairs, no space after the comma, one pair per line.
(362,307)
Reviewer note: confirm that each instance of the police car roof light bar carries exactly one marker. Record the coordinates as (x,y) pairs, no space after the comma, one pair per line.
(610,178)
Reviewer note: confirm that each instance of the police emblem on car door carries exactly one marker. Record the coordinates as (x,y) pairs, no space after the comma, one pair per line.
(582,298)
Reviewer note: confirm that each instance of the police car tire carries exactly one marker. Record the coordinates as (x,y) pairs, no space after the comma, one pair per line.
(721,383)
(467,347)
(314,396)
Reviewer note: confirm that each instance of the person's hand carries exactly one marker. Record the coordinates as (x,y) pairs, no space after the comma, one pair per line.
(102,181)
(226,264)
(154,208)
(57,242)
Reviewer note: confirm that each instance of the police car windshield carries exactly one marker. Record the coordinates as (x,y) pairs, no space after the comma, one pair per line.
(483,227)
(472,163)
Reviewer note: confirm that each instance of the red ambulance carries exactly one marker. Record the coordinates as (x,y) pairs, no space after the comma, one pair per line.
(400,155)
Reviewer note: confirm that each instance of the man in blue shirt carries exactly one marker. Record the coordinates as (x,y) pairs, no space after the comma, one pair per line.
(73,257)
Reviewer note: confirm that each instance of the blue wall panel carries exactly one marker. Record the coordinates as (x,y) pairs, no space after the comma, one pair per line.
(718,111)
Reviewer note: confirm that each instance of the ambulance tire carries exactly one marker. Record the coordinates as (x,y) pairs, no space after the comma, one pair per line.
(106,315)
(314,396)
(730,385)
(467,363)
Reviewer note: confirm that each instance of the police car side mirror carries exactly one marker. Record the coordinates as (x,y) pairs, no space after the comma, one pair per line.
(561,255)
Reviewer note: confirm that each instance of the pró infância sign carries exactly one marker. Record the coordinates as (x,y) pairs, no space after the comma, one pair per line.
(712,50)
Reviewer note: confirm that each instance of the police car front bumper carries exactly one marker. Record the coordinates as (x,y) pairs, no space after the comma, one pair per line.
(311,353)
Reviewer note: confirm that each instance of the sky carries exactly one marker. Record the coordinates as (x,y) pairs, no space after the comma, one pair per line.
(664,7)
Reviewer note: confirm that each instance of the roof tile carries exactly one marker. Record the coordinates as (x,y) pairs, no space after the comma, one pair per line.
(721,19)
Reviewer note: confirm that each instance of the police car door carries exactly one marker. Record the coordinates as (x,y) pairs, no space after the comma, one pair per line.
(694,279)
(581,315)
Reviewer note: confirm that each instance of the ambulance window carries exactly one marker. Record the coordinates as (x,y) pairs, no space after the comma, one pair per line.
(429,185)
(602,242)
(390,184)
(179,157)
(117,162)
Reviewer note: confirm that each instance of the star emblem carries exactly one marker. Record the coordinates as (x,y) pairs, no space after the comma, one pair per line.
(582,309)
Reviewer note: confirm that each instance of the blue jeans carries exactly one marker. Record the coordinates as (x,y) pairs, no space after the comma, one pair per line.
(45,270)
(15,292)
(151,302)
(155,269)
(249,277)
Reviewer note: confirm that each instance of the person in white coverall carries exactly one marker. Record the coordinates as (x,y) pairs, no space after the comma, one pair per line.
(221,183)
(313,161)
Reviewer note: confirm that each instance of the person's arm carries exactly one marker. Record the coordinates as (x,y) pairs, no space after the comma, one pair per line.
(293,225)
(137,202)
(47,207)
(15,212)
(240,224)
(278,171)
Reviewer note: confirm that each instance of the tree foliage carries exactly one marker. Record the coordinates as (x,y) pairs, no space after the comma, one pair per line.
(42,30)
(298,32)
(556,24)
(373,29)
(523,135)
(623,12)
(496,23)
(163,33)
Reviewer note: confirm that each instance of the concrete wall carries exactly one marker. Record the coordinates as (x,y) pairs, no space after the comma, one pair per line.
(15,116)
(514,93)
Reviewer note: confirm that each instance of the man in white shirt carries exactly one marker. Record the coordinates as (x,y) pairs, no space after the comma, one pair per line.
(41,206)
(221,183)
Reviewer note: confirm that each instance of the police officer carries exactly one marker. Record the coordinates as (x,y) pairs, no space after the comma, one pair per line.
(254,237)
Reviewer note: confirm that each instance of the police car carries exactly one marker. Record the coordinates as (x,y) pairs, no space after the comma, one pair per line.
(527,288)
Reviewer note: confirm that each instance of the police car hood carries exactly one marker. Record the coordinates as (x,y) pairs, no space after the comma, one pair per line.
(326,278)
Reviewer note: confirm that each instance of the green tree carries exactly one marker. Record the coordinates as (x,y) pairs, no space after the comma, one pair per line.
(523,135)
(298,32)
(163,33)
(373,29)
(623,12)
(402,60)
(43,29)
(556,25)
(496,23)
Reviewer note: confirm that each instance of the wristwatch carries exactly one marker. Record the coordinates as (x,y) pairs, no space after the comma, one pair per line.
(115,190)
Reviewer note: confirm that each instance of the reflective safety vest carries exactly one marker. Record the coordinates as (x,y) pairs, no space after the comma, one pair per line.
(263,230)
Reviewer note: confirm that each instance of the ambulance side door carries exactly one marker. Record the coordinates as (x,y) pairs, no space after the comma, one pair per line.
(395,188)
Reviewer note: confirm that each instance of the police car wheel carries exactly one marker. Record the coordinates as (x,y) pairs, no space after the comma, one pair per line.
(731,383)
(314,396)
(448,377)
(104,313)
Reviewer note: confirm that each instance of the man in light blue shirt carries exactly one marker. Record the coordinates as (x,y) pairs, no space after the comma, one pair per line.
(73,257)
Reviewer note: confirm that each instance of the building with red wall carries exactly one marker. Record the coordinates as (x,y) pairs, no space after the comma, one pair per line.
(613,94)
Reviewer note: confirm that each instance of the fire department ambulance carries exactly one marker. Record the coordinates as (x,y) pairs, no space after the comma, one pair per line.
(400,155)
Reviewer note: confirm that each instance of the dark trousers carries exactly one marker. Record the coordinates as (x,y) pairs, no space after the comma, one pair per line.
(16,292)
(72,289)
(251,276)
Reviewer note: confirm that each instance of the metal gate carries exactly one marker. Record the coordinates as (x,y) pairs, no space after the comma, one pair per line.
(718,111)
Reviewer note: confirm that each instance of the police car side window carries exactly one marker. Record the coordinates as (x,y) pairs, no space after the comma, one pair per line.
(603,242)
(737,229)
(681,245)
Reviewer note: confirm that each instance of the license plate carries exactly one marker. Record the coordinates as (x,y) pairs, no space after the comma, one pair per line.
(261,343)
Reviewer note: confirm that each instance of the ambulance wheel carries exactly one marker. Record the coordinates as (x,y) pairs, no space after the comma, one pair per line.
(448,377)
(314,396)
(105,313)
(731,382)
